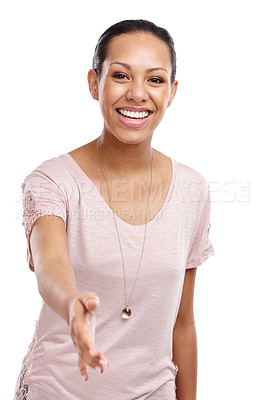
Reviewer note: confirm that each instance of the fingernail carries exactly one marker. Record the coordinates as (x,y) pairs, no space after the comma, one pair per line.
(98,369)
(104,363)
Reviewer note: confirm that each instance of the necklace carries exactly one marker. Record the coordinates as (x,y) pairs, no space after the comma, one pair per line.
(126,312)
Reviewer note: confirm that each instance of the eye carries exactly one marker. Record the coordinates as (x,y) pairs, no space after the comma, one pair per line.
(120,76)
(156,80)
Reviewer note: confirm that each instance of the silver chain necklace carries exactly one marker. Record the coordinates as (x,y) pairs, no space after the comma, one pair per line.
(126,312)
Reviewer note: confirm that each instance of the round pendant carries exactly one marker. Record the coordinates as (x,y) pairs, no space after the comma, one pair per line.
(126,313)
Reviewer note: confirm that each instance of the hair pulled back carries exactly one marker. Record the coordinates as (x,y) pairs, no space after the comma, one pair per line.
(128,26)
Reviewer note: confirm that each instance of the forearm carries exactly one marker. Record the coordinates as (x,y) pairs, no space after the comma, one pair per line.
(56,284)
(185,357)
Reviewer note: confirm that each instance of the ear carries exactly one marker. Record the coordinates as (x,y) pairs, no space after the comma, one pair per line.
(93,83)
(173,92)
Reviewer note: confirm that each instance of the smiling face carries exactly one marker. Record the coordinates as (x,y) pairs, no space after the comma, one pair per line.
(134,87)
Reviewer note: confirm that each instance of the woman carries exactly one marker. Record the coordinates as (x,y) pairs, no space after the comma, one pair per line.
(116,229)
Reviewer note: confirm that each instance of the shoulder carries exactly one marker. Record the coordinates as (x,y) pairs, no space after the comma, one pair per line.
(55,168)
(191,181)
(54,175)
(189,174)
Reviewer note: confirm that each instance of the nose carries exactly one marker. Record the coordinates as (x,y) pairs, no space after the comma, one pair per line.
(137,91)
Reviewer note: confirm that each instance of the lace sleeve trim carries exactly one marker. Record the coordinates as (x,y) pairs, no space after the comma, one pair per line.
(209,251)
(32,211)
(28,223)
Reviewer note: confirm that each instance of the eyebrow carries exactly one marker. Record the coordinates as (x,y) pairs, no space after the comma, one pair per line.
(127,66)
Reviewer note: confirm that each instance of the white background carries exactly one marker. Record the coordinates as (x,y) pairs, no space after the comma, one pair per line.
(215,125)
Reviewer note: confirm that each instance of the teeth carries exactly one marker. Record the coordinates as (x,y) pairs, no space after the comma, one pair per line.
(132,114)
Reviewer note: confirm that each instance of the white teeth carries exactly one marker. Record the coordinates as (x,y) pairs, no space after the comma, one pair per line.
(132,114)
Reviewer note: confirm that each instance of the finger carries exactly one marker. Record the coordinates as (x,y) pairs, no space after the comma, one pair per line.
(83,369)
(87,357)
(90,354)
(84,363)
(103,360)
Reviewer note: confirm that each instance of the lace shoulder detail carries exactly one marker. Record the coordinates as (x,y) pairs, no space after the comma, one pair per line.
(32,211)
(22,384)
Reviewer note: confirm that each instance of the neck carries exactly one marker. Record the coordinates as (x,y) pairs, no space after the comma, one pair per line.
(123,159)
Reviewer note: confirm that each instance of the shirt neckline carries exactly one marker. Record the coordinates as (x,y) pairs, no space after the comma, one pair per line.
(120,221)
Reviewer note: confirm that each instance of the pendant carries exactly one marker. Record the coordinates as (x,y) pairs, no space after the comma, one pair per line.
(126,313)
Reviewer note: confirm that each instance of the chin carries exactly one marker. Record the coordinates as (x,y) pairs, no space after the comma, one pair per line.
(131,137)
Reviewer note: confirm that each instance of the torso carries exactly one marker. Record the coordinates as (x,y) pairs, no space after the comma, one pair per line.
(129,197)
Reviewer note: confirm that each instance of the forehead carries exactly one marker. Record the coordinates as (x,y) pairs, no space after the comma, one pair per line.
(140,49)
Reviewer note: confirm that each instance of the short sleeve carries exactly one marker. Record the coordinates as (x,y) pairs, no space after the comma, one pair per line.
(201,247)
(41,195)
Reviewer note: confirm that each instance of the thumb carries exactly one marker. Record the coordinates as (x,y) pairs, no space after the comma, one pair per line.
(91,301)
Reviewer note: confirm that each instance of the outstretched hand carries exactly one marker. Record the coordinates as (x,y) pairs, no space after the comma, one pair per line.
(82,322)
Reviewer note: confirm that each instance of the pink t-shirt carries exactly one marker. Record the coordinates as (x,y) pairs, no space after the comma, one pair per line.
(139,349)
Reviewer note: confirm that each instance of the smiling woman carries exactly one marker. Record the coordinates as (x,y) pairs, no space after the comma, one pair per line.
(116,229)
(135,77)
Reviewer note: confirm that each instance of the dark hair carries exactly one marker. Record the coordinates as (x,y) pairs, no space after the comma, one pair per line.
(127,26)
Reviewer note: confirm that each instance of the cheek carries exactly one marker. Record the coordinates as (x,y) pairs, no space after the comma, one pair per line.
(109,95)
(161,98)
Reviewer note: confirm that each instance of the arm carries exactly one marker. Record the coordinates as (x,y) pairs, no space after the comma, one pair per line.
(53,269)
(56,283)
(185,342)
